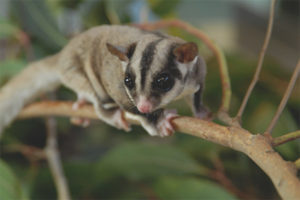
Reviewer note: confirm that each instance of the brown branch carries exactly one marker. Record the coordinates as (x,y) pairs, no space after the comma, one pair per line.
(226,87)
(286,138)
(32,153)
(257,147)
(285,98)
(260,62)
(54,161)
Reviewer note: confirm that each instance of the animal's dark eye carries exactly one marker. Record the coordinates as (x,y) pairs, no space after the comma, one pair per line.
(163,83)
(129,81)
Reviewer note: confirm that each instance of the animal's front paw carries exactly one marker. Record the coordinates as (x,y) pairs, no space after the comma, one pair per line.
(119,121)
(84,122)
(164,126)
(204,113)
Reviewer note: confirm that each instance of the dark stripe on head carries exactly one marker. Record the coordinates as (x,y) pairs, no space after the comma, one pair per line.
(156,33)
(159,34)
(147,59)
(171,65)
(171,69)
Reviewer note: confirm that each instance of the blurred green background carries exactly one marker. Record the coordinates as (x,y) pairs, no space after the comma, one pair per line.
(101,162)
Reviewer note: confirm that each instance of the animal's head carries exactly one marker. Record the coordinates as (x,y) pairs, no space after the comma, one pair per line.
(155,70)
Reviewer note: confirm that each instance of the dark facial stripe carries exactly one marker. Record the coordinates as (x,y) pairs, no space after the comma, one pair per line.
(156,33)
(171,65)
(147,59)
(171,68)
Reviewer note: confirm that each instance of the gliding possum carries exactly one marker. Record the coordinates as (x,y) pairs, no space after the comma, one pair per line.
(117,69)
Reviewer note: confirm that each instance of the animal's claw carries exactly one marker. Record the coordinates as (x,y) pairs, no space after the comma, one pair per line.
(165,127)
(119,120)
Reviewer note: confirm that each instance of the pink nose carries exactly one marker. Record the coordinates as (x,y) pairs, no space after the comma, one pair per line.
(144,106)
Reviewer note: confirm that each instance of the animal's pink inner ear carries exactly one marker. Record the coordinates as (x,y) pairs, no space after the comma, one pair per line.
(117,51)
(186,52)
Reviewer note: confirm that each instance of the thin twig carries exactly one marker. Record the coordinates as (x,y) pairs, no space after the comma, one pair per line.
(286,138)
(226,87)
(260,62)
(54,161)
(257,147)
(31,152)
(284,99)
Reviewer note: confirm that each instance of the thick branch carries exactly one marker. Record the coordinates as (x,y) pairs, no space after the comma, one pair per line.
(257,147)
(260,62)
(285,98)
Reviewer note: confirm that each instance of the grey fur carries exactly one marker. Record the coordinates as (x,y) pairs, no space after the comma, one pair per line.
(93,72)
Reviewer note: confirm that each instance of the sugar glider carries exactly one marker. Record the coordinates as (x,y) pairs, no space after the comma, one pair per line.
(116,68)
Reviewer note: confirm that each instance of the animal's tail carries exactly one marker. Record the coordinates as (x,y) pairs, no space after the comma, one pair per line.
(37,78)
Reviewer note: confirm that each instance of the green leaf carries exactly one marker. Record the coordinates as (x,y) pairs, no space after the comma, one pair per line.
(38,20)
(138,161)
(163,8)
(9,185)
(262,116)
(7,29)
(9,68)
(189,188)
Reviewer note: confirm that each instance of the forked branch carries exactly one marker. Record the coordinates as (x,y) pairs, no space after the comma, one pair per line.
(257,147)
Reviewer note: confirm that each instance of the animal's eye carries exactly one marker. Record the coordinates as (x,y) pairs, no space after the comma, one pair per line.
(129,81)
(164,82)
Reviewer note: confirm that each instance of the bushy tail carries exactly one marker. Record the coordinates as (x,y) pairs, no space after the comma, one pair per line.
(37,78)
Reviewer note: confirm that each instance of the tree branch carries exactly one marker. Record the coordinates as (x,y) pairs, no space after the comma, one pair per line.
(54,161)
(260,62)
(257,147)
(286,138)
(226,87)
(285,98)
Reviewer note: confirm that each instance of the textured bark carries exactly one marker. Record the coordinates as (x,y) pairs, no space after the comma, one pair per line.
(257,147)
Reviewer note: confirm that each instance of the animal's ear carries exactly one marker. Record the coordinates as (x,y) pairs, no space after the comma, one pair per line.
(123,53)
(186,52)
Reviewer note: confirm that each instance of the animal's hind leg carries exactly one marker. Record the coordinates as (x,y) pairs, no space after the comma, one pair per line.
(84,122)
(78,82)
